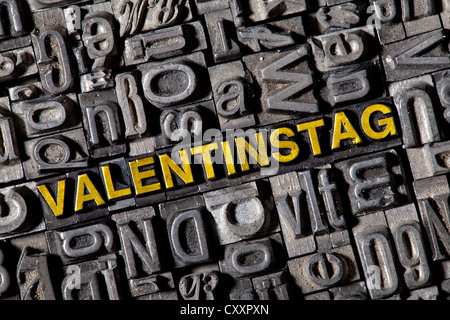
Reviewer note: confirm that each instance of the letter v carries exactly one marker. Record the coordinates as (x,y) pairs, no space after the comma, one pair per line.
(292,213)
(56,206)
(409,57)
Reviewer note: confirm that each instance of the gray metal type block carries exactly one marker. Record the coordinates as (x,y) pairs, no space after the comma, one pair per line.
(20,212)
(15,43)
(273,286)
(33,276)
(405,228)
(259,10)
(168,295)
(142,16)
(56,74)
(5,107)
(422,25)
(336,17)
(17,63)
(419,16)
(185,125)
(414,99)
(46,115)
(136,115)
(342,48)
(30,255)
(442,81)
(353,291)
(375,181)
(309,196)
(25,91)
(430,293)
(37,5)
(232,92)
(152,285)
(297,240)
(376,254)
(13,23)
(388,21)
(432,195)
(324,270)
(243,290)
(92,280)
(445,289)
(176,81)
(10,163)
(203,282)
(164,43)
(353,84)
(222,35)
(427,52)
(133,226)
(98,80)
(286,84)
(328,241)
(189,238)
(252,257)
(81,243)
(161,283)
(100,37)
(429,160)
(272,35)
(101,120)
(445,19)
(203,6)
(55,154)
(6,289)
(241,212)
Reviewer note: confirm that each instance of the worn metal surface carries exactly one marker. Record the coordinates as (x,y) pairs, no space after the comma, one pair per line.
(224,150)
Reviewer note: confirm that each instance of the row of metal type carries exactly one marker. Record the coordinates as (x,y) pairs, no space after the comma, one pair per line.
(224,149)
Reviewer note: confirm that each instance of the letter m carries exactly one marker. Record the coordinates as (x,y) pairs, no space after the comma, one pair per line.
(284,99)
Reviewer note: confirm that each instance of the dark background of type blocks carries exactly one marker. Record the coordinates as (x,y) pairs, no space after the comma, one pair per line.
(379,204)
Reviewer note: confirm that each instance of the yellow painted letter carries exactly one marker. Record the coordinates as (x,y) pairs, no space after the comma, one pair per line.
(111,192)
(312,131)
(341,121)
(84,182)
(205,151)
(390,128)
(56,206)
(280,144)
(168,165)
(229,159)
(259,154)
(138,176)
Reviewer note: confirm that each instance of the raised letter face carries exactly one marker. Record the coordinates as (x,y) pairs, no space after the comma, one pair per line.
(54,80)
(224,149)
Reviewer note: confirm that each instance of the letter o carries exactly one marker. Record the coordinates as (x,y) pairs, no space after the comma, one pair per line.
(254,216)
(51,141)
(249,249)
(179,81)
(56,106)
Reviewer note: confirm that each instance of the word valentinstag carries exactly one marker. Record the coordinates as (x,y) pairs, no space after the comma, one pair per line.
(285,145)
